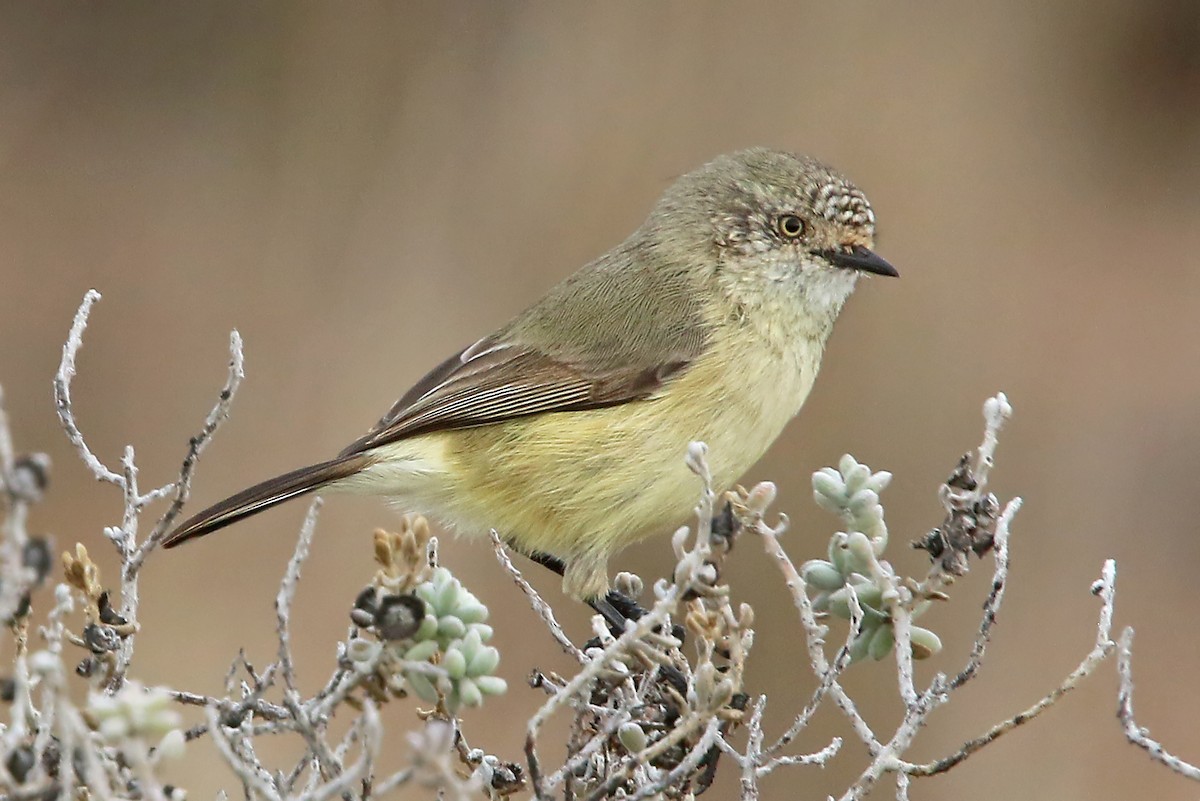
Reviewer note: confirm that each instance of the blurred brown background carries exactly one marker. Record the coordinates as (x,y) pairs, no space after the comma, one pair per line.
(361,188)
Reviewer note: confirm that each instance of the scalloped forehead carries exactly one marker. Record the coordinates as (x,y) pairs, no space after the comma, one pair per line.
(840,201)
(773,178)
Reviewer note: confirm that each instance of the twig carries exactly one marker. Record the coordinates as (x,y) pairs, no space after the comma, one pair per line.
(62,392)
(815,636)
(1105,588)
(539,604)
(258,706)
(995,596)
(1134,733)
(251,774)
(372,734)
(16,579)
(681,724)
(815,758)
(686,766)
(182,487)
(888,757)
(287,592)
(590,672)
(7,455)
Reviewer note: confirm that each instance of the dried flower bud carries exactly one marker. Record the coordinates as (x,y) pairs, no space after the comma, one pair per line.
(360,651)
(629,584)
(399,616)
(29,477)
(365,607)
(20,761)
(107,614)
(100,639)
(760,497)
(36,555)
(24,604)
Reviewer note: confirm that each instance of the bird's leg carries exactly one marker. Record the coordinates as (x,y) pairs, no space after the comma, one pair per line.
(548,561)
(628,608)
(725,525)
(615,607)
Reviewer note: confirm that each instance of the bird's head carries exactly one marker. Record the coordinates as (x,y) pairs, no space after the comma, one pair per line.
(775,219)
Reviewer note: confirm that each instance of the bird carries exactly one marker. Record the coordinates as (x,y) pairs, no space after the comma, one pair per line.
(565,430)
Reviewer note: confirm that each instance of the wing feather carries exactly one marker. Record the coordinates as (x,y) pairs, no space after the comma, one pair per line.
(615,332)
(490,382)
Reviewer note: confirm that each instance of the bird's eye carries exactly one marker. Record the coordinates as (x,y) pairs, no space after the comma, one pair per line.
(790,226)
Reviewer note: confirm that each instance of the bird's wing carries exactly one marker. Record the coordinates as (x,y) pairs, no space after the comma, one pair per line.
(493,381)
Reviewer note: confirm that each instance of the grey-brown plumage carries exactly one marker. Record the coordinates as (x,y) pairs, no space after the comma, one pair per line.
(266,494)
(565,429)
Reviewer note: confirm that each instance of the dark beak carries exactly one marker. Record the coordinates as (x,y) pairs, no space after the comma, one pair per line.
(860,258)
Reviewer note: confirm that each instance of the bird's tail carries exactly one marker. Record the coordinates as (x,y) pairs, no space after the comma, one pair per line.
(265,495)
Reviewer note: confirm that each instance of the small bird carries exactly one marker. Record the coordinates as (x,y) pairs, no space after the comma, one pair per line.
(565,430)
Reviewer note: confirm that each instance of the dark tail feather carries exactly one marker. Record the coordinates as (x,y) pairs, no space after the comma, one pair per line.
(269,493)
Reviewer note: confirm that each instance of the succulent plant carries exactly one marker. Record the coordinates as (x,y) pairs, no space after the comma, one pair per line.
(851,491)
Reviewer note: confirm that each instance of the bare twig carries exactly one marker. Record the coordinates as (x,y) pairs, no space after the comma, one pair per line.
(995,597)
(287,592)
(646,721)
(815,637)
(183,485)
(536,601)
(1133,732)
(62,392)
(6,446)
(1105,588)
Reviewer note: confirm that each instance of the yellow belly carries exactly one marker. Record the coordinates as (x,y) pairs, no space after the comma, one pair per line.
(582,485)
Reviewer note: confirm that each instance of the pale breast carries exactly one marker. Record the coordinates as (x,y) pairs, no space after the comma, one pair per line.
(593,481)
